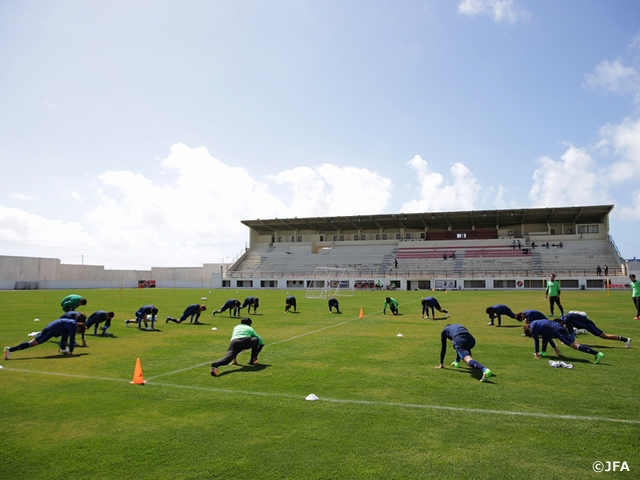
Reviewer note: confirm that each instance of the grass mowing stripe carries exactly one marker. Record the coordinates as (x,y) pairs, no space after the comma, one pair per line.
(71,375)
(355,402)
(274,343)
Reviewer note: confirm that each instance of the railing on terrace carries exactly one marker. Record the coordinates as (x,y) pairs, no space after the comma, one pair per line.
(429,273)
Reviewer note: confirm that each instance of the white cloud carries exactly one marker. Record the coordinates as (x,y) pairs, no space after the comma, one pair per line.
(615,77)
(23,198)
(20,227)
(624,138)
(435,195)
(569,182)
(635,43)
(332,190)
(631,212)
(499,10)
(76,196)
(192,218)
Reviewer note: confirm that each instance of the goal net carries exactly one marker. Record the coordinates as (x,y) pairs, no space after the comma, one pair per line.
(331,282)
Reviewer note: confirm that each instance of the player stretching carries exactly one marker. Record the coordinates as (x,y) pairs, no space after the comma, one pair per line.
(463,342)
(549,330)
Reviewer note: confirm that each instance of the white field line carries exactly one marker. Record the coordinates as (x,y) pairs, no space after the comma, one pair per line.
(353,402)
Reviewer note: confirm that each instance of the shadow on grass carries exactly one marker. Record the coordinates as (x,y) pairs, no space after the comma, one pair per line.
(57,356)
(245,368)
(473,372)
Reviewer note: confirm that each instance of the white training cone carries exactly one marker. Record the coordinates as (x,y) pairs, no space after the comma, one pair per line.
(214,328)
(311,396)
(36,319)
(399,335)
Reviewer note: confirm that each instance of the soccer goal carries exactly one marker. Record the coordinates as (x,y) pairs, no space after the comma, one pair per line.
(331,282)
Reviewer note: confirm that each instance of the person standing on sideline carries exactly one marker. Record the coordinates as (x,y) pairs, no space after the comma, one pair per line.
(497,311)
(193,311)
(232,305)
(431,303)
(579,320)
(96,318)
(333,303)
(553,294)
(65,328)
(244,337)
(635,294)
(290,302)
(392,303)
(251,302)
(142,315)
(548,330)
(71,302)
(463,342)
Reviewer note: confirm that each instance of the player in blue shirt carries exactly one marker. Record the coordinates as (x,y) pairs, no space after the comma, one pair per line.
(579,320)
(78,317)
(142,315)
(232,305)
(251,302)
(65,328)
(497,311)
(463,342)
(192,311)
(529,316)
(431,303)
(290,302)
(548,330)
(96,318)
(333,303)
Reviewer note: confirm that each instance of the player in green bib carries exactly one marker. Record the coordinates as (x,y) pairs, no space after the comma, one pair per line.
(553,294)
(635,294)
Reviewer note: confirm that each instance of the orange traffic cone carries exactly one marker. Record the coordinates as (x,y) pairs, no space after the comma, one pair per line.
(361,313)
(138,379)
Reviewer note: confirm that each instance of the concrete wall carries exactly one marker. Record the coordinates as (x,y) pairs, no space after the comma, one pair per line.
(50,273)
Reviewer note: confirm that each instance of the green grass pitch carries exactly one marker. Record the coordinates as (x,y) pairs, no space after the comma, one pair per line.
(384,411)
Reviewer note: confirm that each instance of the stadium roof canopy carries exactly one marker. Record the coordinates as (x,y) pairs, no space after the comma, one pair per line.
(474,219)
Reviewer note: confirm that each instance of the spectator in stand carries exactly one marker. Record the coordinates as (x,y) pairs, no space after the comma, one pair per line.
(598,271)
(606,270)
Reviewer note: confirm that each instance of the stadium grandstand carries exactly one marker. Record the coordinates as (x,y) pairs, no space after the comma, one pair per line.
(513,248)
(486,249)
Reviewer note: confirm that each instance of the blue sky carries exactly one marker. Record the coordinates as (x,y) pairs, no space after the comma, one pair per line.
(139,133)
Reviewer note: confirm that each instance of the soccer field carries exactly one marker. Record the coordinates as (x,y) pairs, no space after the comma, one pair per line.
(383,412)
